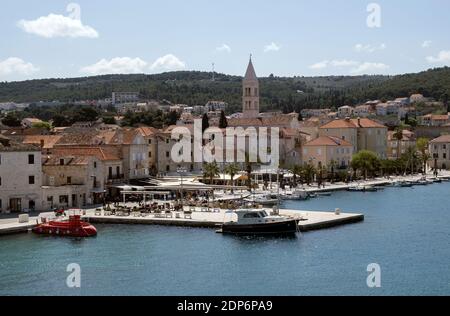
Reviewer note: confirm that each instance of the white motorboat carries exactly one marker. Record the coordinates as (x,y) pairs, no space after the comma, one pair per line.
(363,188)
(263,199)
(258,222)
(295,195)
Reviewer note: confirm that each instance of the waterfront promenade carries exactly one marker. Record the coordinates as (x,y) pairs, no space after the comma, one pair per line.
(308,220)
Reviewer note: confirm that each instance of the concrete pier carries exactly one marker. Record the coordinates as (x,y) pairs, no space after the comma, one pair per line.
(12,226)
(308,220)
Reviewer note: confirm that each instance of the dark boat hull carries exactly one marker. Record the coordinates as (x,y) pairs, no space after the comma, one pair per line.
(280,228)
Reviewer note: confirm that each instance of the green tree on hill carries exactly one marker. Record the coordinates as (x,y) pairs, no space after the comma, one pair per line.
(43,125)
(223,120)
(11,120)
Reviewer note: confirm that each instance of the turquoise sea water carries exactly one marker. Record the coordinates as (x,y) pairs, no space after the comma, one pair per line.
(406,231)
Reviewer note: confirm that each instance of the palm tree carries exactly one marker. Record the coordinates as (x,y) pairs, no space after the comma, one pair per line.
(232,170)
(211,170)
(249,166)
(410,158)
(321,173)
(422,147)
(296,171)
(309,171)
(333,165)
(398,135)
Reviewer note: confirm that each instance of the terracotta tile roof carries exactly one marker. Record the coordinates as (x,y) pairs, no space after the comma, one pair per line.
(339,124)
(73,139)
(367,123)
(353,123)
(235,122)
(19,131)
(289,132)
(169,129)
(147,131)
(102,153)
(129,135)
(442,139)
(8,145)
(439,117)
(49,140)
(107,136)
(328,141)
(69,161)
(276,120)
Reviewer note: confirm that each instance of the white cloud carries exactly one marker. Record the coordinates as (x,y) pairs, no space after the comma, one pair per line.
(360,48)
(127,65)
(14,66)
(224,48)
(358,67)
(338,63)
(320,65)
(343,63)
(442,58)
(168,63)
(370,68)
(118,65)
(55,25)
(272,47)
(426,44)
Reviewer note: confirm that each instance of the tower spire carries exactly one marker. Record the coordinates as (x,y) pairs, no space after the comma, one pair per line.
(250,85)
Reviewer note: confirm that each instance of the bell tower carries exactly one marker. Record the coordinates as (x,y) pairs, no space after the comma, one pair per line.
(250,97)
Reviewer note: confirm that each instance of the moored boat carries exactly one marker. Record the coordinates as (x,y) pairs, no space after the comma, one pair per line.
(74,227)
(404,184)
(363,188)
(258,222)
(263,199)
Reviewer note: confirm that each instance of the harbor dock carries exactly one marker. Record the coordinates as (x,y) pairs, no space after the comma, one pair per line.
(308,220)
(12,226)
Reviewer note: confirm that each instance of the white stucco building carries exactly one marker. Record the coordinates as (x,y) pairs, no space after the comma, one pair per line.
(20,177)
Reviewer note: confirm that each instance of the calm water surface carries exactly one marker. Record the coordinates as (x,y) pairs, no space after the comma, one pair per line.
(406,231)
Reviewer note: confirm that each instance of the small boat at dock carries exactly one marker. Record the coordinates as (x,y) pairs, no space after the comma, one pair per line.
(363,188)
(323,194)
(263,199)
(74,227)
(258,222)
(296,195)
(404,184)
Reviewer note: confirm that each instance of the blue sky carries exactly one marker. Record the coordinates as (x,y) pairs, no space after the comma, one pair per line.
(41,39)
